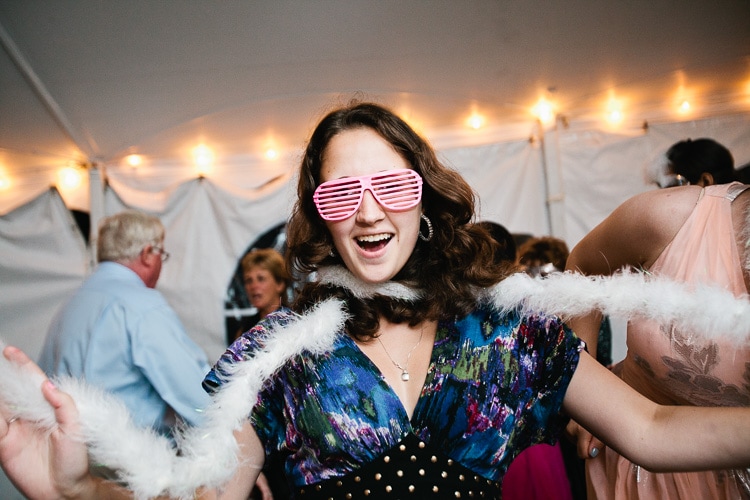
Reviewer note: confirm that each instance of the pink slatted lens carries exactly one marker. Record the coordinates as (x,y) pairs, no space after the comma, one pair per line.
(395,190)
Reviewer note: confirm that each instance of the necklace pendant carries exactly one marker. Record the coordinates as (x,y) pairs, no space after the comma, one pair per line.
(405,376)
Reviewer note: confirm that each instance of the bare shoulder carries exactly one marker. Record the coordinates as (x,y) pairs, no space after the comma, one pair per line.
(636,232)
(670,203)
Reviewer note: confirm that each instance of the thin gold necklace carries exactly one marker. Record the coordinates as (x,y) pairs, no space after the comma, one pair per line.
(404,369)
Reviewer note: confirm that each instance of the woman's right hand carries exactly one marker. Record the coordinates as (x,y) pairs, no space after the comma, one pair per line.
(43,464)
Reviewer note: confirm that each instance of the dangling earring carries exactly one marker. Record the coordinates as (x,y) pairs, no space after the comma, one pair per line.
(332,251)
(429,228)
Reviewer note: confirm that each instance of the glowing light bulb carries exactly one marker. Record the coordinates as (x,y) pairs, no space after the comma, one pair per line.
(203,158)
(475,121)
(544,111)
(69,178)
(615,116)
(4,182)
(202,155)
(134,160)
(684,106)
(271,154)
(614,112)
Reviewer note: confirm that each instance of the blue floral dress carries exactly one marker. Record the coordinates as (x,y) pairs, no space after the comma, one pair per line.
(494,386)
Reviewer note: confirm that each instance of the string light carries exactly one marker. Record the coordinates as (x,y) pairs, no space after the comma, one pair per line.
(271,154)
(685,96)
(134,160)
(544,111)
(685,100)
(614,113)
(4,182)
(69,178)
(203,157)
(475,121)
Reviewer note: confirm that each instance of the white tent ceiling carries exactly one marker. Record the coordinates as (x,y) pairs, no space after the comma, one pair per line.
(95,80)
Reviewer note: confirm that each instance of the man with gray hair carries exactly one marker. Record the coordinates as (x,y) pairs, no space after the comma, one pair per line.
(120,334)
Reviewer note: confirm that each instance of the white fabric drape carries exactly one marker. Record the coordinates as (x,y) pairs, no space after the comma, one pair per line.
(508,179)
(43,261)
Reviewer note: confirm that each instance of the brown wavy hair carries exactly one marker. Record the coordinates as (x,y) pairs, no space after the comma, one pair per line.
(448,268)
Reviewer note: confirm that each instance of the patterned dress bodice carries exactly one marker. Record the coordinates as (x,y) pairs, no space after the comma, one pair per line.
(494,386)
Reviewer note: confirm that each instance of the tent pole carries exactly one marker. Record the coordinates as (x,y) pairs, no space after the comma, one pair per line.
(97,182)
(553,186)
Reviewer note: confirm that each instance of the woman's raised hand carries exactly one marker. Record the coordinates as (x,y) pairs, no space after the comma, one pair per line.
(43,464)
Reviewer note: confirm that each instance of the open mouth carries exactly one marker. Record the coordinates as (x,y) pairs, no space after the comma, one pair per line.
(374,242)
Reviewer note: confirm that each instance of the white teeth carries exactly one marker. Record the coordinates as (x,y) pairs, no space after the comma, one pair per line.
(374,237)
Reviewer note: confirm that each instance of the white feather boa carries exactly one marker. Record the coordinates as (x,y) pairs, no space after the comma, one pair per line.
(147,462)
(151,466)
(704,310)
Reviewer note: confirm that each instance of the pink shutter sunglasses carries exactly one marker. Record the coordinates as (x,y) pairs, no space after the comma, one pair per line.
(395,190)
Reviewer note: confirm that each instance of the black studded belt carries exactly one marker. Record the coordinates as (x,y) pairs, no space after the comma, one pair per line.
(411,469)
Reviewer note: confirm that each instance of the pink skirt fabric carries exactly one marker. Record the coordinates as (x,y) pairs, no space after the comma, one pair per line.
(617,478)
(538,473)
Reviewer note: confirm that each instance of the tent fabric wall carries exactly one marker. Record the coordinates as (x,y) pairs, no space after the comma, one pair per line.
(601,170)
(44,261)
(508,179)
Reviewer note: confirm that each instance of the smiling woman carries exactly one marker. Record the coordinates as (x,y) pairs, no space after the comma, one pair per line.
(376,238)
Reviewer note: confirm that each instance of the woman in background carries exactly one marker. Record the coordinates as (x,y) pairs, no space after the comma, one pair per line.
(266,280)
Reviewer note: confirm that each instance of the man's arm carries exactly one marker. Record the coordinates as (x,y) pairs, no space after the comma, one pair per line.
(173,363)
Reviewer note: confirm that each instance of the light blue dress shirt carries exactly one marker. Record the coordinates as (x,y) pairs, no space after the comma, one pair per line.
(124,337)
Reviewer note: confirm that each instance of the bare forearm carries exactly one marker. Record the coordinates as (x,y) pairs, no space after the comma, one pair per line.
(659,438)
(697,438)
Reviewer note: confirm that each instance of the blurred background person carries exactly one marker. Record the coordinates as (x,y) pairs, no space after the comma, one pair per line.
(506,244)
(266,280)
(700,162)
(542,255)
(538,472)
(119,333)
(696,235)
